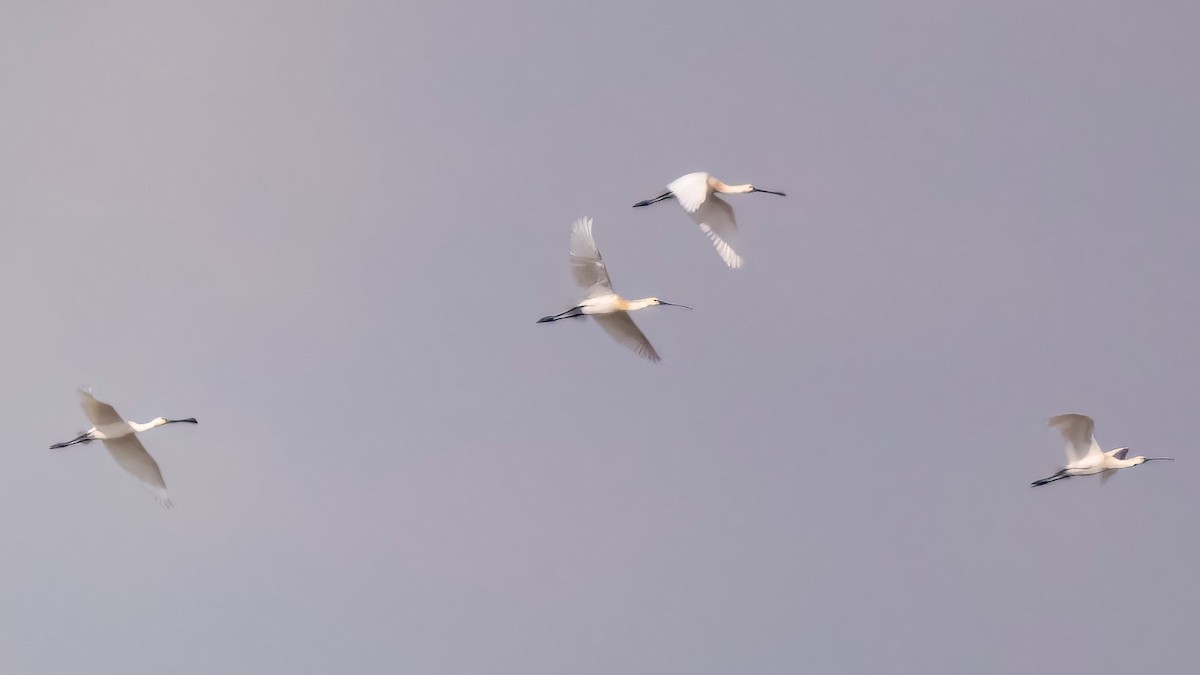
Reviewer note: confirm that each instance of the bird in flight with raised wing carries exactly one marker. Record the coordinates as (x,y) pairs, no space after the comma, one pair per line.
(1084,456)
(121,441)
(599,301)
(696,193)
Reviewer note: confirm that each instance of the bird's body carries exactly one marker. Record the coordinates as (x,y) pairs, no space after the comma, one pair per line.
(599,300)
(611,302)
(121,441)
(108,432)
(1084,456)
(697,194)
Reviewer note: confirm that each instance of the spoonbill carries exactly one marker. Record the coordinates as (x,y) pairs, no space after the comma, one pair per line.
(120,439)
(599,301)
(1084,456)
(696,194)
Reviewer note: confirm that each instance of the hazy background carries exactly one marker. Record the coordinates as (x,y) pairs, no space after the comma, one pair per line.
(326,231)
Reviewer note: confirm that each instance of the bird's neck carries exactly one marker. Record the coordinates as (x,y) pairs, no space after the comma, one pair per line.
(631,305)
(730,189)
(1126,463)
(139,427)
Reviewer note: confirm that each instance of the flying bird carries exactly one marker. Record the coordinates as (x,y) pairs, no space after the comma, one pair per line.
(599,301)
(1084,456)
(696,194)
(120,440)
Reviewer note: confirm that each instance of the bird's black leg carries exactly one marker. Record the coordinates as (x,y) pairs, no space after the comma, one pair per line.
(1058,476)
(574,311)
(82,438)
(659,198)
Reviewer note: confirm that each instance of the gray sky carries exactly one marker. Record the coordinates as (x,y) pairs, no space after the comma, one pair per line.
(326,231)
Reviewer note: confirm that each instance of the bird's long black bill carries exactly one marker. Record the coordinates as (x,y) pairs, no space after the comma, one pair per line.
(190,420)
(648,202)
(1169,459)
(671,304)
(770,192)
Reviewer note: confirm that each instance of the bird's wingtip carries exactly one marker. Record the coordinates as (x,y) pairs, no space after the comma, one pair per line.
(163,498)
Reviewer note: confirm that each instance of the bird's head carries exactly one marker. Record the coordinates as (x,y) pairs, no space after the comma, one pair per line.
(770,192)
(658,301)
(1142,460)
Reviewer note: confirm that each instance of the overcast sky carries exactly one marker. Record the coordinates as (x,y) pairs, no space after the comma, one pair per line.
(326,230)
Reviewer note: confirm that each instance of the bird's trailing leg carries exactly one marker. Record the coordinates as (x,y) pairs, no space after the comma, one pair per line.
(82,438)
(574,311)
(648,202)
(1058,476)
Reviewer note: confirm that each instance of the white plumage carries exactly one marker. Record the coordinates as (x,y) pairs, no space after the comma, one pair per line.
(696,193)
(121,441)
(599,300)
(1084,455)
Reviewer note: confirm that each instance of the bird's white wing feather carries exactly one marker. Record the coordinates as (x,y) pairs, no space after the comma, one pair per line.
(132,456)
(1119,453)
(98,412)
(621,328)
(1077,430)
(715,218)
(586,262)
(691,190)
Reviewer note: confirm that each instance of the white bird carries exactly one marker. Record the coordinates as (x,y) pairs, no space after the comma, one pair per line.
(695,193)
(599,301)
(122,443)
(1084,456)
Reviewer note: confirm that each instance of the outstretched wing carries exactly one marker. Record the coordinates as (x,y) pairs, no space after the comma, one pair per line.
(132,456)
(1119,453)
(621,328)
(711,213)
(715,218)
(691,190)
(1077,430)
(98,412)
(586,262)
